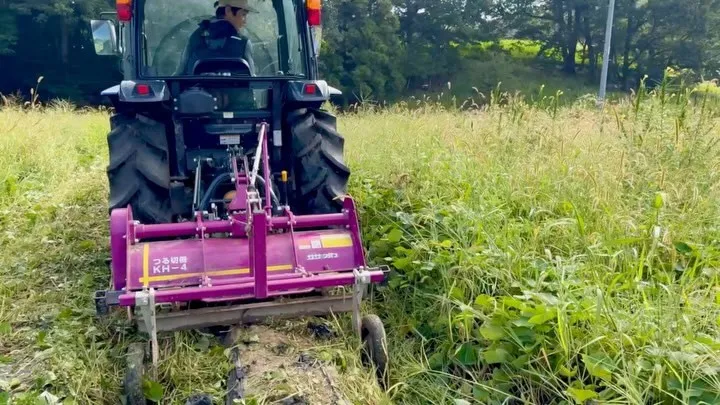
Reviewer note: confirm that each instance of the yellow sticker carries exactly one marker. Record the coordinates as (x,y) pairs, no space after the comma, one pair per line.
(336,241)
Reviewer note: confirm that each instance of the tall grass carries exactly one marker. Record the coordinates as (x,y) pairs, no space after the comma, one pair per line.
(542,253)
(548,255)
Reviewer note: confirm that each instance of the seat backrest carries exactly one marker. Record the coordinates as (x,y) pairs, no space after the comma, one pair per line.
(217,50)
(220,66)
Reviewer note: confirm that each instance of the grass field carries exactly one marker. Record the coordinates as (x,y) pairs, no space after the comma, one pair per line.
(542,255)
(54,240)
(512,66)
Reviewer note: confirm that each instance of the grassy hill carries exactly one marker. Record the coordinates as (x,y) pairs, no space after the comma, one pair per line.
(488,69)
(541,253)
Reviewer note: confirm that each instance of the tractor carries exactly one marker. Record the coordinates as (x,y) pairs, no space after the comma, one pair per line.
(227,181)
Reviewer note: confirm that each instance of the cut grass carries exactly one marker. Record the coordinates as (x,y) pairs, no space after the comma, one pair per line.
(542,253)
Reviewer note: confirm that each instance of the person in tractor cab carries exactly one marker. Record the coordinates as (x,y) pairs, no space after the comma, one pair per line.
(220,37)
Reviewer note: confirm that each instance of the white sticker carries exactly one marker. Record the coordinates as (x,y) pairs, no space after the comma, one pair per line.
(169,264)
(229,139)
(228,115)
(316,244)
(277,137)
(322,256)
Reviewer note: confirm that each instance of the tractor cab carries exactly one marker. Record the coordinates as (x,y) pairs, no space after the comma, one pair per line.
(169,28)
(284,35)
(180,40)
(210,79)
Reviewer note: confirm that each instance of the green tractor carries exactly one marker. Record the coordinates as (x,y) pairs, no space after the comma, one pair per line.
(198,80)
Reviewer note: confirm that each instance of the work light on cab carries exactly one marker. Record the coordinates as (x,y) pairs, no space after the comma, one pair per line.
(314,12)
(124,10)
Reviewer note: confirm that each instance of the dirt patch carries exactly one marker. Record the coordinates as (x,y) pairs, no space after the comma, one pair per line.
(283,367)
(13,379)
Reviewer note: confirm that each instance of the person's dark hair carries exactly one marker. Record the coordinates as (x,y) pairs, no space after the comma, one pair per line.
(220,11)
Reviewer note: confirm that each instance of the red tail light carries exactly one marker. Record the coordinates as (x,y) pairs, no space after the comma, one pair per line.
(142,89)
(314,12)
(124,10)
(310,89)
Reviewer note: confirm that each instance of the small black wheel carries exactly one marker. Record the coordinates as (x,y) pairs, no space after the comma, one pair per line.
(235,380)
(133,382)
(375,352)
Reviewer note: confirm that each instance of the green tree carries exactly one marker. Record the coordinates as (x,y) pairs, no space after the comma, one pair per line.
(53,40)
(362,51)
(8,31)
(432,31)
(560,24)
(65,13)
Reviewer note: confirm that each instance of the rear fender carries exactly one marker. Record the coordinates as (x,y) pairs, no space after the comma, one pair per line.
(334,91)
(310,92)
(126,92)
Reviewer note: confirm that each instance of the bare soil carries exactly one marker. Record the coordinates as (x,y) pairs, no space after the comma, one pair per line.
(282,367)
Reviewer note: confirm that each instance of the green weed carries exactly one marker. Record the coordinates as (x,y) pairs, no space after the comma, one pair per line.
(542,260)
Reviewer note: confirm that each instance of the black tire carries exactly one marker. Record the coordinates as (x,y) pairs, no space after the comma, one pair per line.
(134,370)
(375,352)
(321,175)
(235,382)
(139,173)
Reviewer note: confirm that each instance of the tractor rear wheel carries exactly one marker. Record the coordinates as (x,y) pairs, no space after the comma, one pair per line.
(321,174)
(139,172)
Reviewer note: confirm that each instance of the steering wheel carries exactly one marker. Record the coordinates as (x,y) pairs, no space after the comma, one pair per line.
(166,54)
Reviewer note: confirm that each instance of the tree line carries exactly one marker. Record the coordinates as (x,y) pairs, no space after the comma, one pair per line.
(52,39)
(386,49)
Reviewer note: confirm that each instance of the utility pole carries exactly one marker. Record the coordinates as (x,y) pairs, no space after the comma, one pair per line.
(606,54)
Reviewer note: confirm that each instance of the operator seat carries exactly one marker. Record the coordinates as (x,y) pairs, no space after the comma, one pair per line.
(216,40)
(216,49)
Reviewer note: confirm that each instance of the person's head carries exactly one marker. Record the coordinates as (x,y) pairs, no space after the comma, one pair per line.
(234,11)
